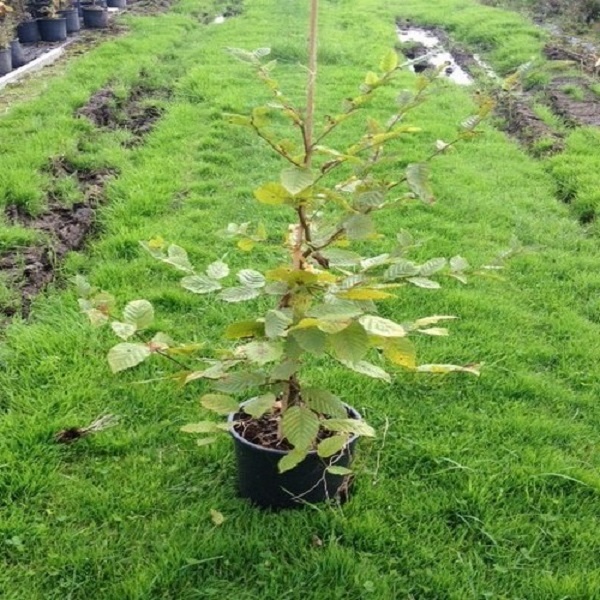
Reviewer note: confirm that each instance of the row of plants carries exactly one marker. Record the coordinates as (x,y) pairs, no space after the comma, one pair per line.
(32,21)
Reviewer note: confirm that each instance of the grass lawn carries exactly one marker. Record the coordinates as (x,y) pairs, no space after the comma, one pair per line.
(475,487)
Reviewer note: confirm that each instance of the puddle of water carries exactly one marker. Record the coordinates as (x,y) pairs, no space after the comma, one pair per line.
(485,67)
(437,55)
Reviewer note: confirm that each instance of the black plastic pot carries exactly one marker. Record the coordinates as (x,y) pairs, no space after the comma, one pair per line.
(53,30)
(72,17)
(309,482)
(5,61)
(28,32)
(95,17)
(18,58)
(116,3)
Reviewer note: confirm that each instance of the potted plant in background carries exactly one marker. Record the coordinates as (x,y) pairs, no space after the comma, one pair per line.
(27,28)
(67,10)
(52,26)
(6,36)
(294,441)
(116,3)
(95,15)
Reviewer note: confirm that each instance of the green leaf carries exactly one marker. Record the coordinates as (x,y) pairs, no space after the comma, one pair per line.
(217,270)
(300,426)
(417,177)
(258,406)
(243,329)
(335,311)
(401,268)
(178,258)
(458,264)
(445,369)
(423,282)
(355,426)
(238,382)
(276,323)
(296,179)
(284,370)
(251,278)
(366,368)
(324,402)
(341,258)
(271,193)
(205,441)
(82,287)
(219,403)
(239,294)
(139,313)
(425,321)
(127,355)
(390,61)
(200,284)
(374,261)
(216,517)
(359,227)
(123,330)
(201,427)
(337,470)
(432,266)
(381,327)
(312,340)
(332,445)
(351,343)
(292,459)
(400,351)
(261,352)
(435,331)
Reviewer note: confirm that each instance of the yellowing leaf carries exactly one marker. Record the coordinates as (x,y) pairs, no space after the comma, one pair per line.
(332,445)
(272,193)
(245,244)
(216,517)
(390,61)
(364,294)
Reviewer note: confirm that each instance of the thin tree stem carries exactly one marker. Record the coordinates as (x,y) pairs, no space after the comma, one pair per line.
(312,82)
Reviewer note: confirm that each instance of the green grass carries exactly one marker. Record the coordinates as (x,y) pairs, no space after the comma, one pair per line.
(480,488)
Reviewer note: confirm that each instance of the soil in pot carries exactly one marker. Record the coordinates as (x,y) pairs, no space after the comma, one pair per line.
(5,61)
(53,30)
(28,32)
(18,58)
(259,479)
(72,17)
(95,17)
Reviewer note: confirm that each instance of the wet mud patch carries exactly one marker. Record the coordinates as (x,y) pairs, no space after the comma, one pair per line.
(148,7)
(62,228)
(136,113)
(571,98)
(585,56)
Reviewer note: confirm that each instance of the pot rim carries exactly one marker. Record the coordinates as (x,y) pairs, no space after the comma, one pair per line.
(238,437)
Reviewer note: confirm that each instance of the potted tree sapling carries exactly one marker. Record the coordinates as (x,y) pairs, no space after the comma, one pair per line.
(6,37)
(294,441)
(95,15)
(27,28)
(70,12)
(52,26)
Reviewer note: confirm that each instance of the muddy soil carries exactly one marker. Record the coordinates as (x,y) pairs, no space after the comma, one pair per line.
(64,229)
(571,99)
(137,113)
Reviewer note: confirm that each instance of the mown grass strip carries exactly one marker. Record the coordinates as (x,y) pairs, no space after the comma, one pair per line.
(484,487)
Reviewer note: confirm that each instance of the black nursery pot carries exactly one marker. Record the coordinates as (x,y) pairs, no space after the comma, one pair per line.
(28,32)
(18,58)
(72,17)
(5,61)
(116,3)
(53,30)
(309,482)
(95,17)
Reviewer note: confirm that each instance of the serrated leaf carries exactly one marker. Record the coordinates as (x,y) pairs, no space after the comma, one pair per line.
(359,227)
(219,403)
(258,406)
(246,244)
(97,318)
(458,264)
(284,370)
(127,355)
(425,283)
(271,193)
(82,287)
(261,353)
(417,177)
(217,270)
(276,323)
(296,179)
(351,343)
(139,313)
(435,331)
(400,351)
(123,330)
(312,340)
(292,459)
(332,445)
(355,426)
(337,470)
(364,294)
(335,311)
(300,426)
(324,402)
(201,427)
(239,294)
(374,261)
(338,257)
(390,61)
(400,269)
(381,327)
(251,278)
(370,370)
(216,517)
(432,266)
(238,382)
(425,321)
(445,369)
(243,329)
(178,258)
(200,284)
